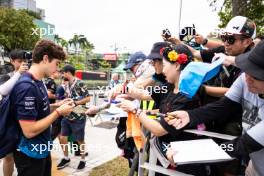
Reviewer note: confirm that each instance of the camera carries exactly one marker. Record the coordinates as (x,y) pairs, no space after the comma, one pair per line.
(166,33)
(27,55)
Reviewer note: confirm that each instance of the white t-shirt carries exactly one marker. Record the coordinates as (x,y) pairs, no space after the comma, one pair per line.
(253,117)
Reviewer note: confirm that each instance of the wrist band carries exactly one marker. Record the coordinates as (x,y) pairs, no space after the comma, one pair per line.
(205,41)
(57,112)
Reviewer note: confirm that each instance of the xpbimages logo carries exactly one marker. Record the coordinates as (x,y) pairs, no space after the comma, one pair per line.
(49,31)
(50,146)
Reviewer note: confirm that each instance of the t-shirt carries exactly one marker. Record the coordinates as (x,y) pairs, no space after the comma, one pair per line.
(169,102)
(253,117)
(30,104)
(77,91)
(51,86)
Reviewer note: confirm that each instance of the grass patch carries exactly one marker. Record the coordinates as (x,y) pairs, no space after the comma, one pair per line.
(116,167)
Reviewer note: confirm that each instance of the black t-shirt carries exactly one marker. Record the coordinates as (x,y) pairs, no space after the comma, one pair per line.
(169,102)
(51,86)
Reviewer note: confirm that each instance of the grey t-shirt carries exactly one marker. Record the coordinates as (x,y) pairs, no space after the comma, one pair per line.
(253,117)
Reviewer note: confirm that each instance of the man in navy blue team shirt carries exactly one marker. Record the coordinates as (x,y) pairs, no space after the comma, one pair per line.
(30,105)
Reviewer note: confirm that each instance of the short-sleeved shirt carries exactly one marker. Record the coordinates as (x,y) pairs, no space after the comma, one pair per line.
(77,91)
(253,105)
(253,114)
(31,104)
(51,86)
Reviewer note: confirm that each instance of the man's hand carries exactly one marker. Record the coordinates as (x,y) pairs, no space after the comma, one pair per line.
(23,67)
(199,39)
(92,110)
(67,100)
(181,119)
(66,108)
(228,60)
(127,106)
(169,155)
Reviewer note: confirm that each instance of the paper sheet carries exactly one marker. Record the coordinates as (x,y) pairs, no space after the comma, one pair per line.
(198,151)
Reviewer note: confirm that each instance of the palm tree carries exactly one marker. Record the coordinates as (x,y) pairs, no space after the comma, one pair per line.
(85,44)
(75,42)
(61,41)
(64,43)
(57,38)
(80,41)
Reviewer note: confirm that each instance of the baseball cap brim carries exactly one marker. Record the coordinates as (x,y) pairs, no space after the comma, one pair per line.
(245,64)
(154,56)
(129,66)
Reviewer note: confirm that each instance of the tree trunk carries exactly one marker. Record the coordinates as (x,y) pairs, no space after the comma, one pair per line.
(239,7)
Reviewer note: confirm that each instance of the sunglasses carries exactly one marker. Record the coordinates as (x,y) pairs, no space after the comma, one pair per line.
(230,39)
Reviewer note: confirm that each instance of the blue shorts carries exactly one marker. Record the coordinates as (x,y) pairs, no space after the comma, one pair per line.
(74,128)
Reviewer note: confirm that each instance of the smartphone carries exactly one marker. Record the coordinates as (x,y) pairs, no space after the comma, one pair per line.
(166,33)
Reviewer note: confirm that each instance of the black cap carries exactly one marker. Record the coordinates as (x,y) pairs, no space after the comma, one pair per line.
(68,68)
(16,54)
(135,59)
(252,62)
(155,51)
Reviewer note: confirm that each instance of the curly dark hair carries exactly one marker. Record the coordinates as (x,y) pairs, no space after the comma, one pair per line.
(47,47)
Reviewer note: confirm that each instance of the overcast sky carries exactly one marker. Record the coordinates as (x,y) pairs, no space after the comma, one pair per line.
(132,24)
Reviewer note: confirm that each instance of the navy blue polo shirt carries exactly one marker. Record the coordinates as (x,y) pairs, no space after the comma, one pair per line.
(32,104)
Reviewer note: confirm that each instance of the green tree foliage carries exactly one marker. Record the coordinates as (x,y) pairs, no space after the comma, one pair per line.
(253,9)
(104,65)
(77,61)
(33,14)
(16,30)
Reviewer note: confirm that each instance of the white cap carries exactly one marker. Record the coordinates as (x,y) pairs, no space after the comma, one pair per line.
(241,25)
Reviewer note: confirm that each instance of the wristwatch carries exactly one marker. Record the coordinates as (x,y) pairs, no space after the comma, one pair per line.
(205,41)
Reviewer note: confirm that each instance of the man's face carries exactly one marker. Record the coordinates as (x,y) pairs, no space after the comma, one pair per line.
(115,77)
(235,44)
(157,64)
(254,85)
(51,67)
(66,75)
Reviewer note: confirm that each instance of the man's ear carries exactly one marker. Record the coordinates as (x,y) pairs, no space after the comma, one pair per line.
(247,42)
(45,59)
